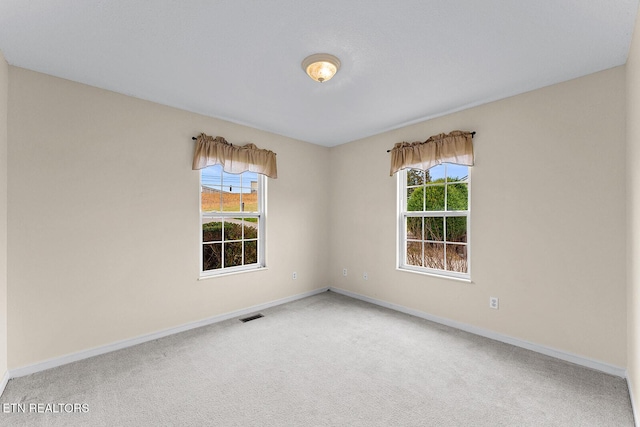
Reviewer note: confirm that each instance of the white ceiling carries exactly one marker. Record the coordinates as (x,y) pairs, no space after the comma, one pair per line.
(403,61)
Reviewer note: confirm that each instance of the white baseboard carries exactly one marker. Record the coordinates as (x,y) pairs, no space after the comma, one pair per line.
(631,397)
(558,354)
(74,357)
(3,382)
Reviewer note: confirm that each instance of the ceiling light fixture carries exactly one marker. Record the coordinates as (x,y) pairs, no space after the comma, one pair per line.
(321,66)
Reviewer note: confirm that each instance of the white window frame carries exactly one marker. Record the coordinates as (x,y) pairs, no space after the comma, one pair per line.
(261,245)
(403,214)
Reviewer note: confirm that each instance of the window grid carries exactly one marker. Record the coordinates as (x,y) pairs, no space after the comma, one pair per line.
(232,216)
(448,251)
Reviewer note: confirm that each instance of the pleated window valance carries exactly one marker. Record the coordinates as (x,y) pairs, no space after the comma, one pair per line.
(455,147)
(234,159)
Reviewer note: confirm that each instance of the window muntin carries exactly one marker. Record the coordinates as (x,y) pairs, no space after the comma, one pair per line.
(232,217)
(434,220)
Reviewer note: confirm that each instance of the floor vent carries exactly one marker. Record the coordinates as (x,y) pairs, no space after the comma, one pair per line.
(250,318)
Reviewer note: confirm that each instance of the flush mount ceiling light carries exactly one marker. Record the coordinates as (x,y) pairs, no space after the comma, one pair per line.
(321,66)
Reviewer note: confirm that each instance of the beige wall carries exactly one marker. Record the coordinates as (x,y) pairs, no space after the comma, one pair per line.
(4,87)
(547,227)
(104,219)
(633,214)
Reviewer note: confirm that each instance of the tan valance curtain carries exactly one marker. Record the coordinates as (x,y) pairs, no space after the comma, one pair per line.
(455,147)
(234,159)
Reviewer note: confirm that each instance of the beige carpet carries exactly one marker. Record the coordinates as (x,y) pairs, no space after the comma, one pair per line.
(327,360)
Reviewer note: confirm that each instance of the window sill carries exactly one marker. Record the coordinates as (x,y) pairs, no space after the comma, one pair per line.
(231,273)
(439,276)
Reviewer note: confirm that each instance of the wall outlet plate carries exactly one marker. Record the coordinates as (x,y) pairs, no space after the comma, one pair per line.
(344,271)
(294,275)
(493,302)
(365,276)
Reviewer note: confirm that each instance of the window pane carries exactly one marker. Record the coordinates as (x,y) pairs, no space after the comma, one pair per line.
(457,258)
(211,176)
(232,254)
(433,228)
(415,177)
(249,192)
(249,199)
(435,174)
(251,252)
(457,197)
(457,172)
(211,256)
(434,255)
(230,200)
(414,253)
(211,198)
(456,229)
(250,180)
(212,230)
(232,229)
(231,181)
(231,188)
(415,199)
(250,228)
(435,197)
(414,228)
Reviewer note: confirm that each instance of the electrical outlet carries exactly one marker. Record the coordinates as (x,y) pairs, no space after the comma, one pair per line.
(294,275)
(344,271)
(493,303)
(365,276)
